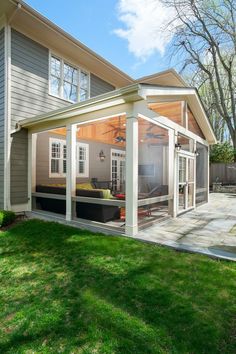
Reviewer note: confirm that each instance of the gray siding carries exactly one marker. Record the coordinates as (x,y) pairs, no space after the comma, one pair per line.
(19,167)
(2,75)
(29,97)
(99,86)
(30,79)
(98,169)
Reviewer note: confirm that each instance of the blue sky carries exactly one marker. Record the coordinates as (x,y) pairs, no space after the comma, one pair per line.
(94,23)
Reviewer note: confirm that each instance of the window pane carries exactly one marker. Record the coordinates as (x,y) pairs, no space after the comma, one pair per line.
(54,166)
(81,166)
(70,74)
(84,80)
(55,67)
(64,151)
(55,150)
(70,92)
(55,86)
(64,166)
(83,95)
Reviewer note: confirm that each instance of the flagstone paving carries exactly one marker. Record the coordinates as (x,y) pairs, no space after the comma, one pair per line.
(210,229)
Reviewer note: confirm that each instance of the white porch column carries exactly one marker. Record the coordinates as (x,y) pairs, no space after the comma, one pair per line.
(32,145)
(70,168)
(175,182)
(208,174)
(131,228)
(172,174)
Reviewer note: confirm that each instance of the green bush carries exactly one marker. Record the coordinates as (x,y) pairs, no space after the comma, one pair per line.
(6,217)
(223,152)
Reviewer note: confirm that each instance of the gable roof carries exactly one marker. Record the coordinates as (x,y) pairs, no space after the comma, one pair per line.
(132,93)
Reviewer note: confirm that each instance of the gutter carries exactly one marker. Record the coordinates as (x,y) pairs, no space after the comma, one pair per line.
(128,94)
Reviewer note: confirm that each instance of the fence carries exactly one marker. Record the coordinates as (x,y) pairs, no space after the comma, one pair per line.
(223,172)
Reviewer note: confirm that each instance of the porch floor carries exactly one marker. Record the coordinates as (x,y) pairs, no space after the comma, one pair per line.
(210,229)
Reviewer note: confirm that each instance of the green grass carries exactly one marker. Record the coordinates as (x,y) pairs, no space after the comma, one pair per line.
(63,290)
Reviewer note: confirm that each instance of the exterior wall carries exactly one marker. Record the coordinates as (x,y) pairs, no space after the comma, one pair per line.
(99,86)
(98,169)
(19,168)
(29,97)
(2,125)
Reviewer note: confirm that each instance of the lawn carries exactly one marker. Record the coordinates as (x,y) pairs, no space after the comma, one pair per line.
(65,290)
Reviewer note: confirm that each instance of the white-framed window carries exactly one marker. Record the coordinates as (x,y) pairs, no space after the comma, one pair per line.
(82,160)
(57,158)
(67,81)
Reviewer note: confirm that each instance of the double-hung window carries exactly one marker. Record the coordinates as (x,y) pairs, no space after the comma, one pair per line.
(82,160)
(67,81)
(57,159)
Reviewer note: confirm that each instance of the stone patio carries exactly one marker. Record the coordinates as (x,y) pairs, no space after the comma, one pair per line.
(210,229)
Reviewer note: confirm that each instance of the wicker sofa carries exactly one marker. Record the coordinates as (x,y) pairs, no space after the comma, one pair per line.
(89,211)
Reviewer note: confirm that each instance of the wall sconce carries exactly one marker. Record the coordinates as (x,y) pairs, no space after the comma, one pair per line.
(197,153)
(102,156)
(178,147)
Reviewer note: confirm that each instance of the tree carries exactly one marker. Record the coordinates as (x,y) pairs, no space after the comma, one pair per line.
(205,40)
(222,153)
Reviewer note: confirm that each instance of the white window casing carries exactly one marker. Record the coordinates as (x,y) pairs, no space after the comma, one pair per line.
(67,81)
(57,159)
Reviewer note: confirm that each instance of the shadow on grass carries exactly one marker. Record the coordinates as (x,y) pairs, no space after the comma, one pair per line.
(64,289)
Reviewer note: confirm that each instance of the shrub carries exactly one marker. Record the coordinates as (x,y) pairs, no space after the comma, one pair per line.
(223,152)
(6,217)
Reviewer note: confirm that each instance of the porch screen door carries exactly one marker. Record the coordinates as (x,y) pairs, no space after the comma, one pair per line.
(185,182)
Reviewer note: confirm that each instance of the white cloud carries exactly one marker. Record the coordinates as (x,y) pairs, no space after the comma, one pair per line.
(145,26)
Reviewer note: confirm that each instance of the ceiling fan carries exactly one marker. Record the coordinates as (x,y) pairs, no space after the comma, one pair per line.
(118,132)
(154,136)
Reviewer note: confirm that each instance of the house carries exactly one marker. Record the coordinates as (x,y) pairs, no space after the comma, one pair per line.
(82,141)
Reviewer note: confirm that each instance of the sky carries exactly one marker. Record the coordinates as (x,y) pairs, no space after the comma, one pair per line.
(128,33)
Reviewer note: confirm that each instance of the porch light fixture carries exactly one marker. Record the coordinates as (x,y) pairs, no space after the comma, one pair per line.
(178,147)
(197,153)
(102,156)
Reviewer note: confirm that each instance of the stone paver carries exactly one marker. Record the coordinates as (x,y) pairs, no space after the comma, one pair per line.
(210,229)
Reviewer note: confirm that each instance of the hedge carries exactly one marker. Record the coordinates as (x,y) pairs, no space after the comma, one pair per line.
(6,217)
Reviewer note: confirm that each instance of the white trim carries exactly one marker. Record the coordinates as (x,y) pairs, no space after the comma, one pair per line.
(7,118)
(131,227)
(79,70)
(118,159)
(70,169)
(86,172)
(62,142)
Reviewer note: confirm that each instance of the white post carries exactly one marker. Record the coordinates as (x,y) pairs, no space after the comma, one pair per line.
(131,228)
(70,168)
(32,145)
(176,182)
(195,174)
(171,171)
(208,173)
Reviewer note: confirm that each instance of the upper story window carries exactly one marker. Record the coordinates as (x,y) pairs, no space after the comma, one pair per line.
(68,82)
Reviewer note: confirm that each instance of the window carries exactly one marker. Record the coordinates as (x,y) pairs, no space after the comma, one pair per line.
(67,81)
(84,87)
(82,160)
(57,158)
(57,165)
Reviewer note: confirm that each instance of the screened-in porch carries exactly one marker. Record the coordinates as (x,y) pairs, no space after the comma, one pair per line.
(120,162)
